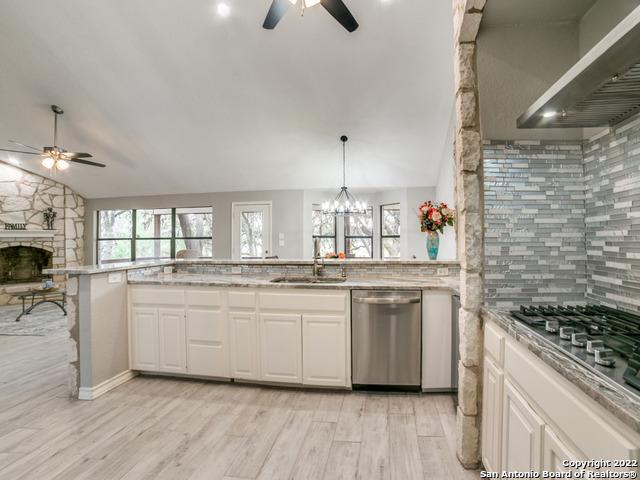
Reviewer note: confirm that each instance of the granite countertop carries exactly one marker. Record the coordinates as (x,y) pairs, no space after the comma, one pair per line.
(264,281)
(122,266)
(614,397)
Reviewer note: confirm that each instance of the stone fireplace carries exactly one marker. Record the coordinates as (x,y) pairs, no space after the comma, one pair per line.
(21,264)
(24,196)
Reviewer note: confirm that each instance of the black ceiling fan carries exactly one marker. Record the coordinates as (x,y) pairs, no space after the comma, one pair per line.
(56,156)
(336,8)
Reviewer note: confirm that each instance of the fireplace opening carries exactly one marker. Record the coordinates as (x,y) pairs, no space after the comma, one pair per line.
(23,264)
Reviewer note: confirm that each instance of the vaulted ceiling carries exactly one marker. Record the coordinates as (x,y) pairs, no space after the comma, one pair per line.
(175,98)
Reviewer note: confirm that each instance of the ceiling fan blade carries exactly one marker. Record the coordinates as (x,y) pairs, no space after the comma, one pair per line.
(76,155)
(341,13)
(20,151)
(26,146)
(87,162)
(276,12)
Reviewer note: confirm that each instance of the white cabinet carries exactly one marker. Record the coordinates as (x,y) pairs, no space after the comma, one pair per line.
(158,339)
(555,453)
(144,339)
(521,433)
(243,345)
(324,347)
(281,347)
(207,343)
(492,416)
(436,341)
(172,341)
(242,333)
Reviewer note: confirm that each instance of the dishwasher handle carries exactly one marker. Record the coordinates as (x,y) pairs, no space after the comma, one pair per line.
(387,300)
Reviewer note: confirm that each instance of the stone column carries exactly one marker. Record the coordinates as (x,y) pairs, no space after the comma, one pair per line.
(470,207)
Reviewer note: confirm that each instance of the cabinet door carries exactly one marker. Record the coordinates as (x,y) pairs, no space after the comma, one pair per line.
(207,342)
(324,350)
(521,433)
(555,452)
(243,345)
(144,339)
(492,416)
(171,329)
(281,348)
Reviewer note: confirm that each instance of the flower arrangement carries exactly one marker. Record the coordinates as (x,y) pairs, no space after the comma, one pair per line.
(434,217)
(339,255)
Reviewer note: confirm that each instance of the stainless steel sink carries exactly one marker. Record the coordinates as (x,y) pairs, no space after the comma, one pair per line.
(309,279)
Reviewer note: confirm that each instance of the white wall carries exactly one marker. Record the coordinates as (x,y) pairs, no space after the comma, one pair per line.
(291,215)
(412,241)
(286,216)
(600,19)
(516,64)
(446,192)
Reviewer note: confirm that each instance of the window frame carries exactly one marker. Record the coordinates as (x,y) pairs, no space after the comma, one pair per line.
(335,227)
(346,237)
(383,236)
(133,238)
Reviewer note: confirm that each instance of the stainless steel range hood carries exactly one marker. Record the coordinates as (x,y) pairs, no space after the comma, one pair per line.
(602,89)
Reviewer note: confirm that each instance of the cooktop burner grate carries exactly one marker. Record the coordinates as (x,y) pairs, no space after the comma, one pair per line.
(605,338)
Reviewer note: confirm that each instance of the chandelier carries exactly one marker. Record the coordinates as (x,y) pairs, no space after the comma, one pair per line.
(344,203)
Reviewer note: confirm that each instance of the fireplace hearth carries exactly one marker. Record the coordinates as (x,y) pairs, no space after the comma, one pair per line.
(22,264)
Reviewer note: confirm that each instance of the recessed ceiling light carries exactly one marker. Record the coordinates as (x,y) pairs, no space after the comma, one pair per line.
(223,9)
(550,114)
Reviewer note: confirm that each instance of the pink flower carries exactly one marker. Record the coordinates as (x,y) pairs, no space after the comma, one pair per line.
(435,216)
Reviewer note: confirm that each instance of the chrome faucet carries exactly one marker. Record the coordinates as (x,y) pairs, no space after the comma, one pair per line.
(317,267)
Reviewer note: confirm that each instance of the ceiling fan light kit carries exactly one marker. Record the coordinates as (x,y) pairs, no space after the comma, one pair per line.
(55,156)
(336,8)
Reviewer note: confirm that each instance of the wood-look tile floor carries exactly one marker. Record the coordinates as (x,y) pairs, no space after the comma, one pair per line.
(162,428)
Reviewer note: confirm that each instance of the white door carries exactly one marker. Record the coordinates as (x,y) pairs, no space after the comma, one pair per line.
(521,433)
(281,348)
(243,345)
(171,329)
(251,230)
(555,453)
(207,342)
(491,416)
(144,341)
(324,347)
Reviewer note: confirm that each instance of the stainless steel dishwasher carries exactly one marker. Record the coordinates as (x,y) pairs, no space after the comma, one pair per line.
(386,339)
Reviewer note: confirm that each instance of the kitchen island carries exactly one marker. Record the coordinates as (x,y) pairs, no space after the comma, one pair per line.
(227,320)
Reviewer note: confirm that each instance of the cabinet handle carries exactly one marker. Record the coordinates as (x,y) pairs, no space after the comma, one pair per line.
(387,301)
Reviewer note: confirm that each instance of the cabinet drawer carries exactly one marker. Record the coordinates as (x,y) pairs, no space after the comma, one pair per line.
(580,419)
(157,296)
(494,343)
(319,302)
(204,298)
(242,299)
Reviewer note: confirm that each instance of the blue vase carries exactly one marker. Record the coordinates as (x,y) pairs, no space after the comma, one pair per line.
(433,245)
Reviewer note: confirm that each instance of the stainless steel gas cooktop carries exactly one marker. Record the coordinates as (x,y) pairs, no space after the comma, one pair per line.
(605,339)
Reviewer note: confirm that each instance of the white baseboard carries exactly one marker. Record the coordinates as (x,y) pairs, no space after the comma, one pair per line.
(91,393)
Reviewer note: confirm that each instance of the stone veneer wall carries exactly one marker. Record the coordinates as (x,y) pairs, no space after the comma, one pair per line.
(23,198)
(534,223)
(470,205)
(612,179)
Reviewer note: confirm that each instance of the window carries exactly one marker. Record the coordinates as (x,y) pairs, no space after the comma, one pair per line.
(358,235)
(145,234)
(115,236)
(153,234)
(390,230)
(194,231)
(324,228)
